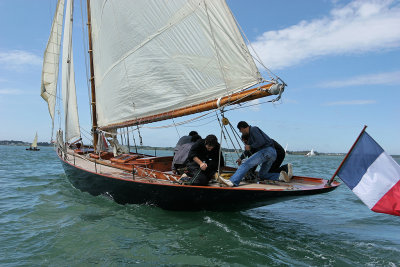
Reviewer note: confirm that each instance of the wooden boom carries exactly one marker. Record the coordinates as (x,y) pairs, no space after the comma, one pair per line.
(235,98)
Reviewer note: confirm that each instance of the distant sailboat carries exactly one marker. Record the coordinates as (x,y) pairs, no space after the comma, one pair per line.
(152,61)
(286,148)
(33,146)
(311,153)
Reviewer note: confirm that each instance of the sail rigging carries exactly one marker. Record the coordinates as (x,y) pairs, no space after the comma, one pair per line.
(51,60)
(158,56)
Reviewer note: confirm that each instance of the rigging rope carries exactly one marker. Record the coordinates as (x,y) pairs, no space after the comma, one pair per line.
(230,138)
(220,146)
(176,128)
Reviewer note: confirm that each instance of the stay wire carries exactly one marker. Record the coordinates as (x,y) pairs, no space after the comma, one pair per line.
(233,143)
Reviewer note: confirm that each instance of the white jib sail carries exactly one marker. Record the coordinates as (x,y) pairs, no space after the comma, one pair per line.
(154,56)
(68,79)
(51,60)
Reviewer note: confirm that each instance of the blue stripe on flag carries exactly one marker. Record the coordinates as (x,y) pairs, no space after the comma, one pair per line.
(365,152)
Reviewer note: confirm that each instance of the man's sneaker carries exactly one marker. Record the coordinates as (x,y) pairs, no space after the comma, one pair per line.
(224,181)
(284,177)
(290,171)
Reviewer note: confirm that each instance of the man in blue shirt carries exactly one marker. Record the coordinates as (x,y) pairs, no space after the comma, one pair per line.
(264,155)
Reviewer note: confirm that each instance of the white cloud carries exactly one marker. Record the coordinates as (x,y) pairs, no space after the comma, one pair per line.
(386,78)
(360,26)
(10,92)
(16,59)
(350,103)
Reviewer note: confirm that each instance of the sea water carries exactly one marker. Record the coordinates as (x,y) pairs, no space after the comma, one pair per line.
(44,221)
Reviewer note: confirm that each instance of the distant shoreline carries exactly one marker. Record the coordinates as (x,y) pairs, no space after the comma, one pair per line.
(21,143)
(297,153)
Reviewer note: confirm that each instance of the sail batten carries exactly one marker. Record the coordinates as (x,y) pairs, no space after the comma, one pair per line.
(51,60)
(159,56)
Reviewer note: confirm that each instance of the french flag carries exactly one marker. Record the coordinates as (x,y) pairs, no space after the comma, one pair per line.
(373,175)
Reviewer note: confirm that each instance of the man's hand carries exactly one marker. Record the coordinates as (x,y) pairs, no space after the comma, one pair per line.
(247,147)
(239,161)
(203,166)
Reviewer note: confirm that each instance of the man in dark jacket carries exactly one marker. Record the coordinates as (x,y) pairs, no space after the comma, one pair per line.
(203,158)
(264,155)
(181,151)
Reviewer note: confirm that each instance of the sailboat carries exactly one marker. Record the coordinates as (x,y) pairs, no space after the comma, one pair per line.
(311,153)
(33,146)
(153,61)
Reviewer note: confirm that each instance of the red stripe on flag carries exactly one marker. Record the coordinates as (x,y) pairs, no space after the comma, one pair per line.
(390,202)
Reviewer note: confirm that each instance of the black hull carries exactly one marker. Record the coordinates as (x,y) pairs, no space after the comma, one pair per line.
(178,197)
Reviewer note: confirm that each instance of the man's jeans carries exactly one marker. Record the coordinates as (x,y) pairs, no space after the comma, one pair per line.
(265,157)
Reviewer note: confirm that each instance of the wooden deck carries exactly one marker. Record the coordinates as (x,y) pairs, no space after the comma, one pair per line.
(139,173)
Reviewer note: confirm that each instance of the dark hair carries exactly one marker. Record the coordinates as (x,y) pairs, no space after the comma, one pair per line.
(195,138)
(242,124)
(193,133)
(211,140)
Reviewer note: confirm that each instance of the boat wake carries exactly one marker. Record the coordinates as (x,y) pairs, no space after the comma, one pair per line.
(224,227)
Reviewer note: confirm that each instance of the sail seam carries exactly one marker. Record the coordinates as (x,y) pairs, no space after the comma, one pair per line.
(215,46)
(149,39)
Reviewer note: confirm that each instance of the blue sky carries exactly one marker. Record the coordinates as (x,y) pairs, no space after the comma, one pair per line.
(340,59)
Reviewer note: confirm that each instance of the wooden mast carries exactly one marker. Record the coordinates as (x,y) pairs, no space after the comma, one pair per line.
(93,88)
(235,98)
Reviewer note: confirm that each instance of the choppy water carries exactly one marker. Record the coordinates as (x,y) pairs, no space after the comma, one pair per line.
(45,221)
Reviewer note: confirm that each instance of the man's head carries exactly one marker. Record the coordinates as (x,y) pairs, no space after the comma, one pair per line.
(195,138)
(211,141)
(243,127)
(193,133)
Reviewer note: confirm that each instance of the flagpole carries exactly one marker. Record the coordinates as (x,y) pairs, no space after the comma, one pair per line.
(347,155)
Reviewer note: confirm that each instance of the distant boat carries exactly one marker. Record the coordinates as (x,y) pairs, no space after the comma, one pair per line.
(34,145)
(311,153)
(286,148)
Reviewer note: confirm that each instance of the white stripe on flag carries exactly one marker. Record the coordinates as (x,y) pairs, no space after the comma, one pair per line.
(380,177)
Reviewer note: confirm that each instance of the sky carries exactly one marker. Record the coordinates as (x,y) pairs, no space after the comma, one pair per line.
(340,60)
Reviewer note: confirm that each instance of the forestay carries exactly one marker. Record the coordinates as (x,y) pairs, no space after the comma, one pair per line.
(154,56)
(51,60)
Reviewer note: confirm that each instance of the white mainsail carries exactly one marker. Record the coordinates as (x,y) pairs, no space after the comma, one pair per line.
(156,56)
(51,60)
(311,153)
(72,130)
(34,143)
